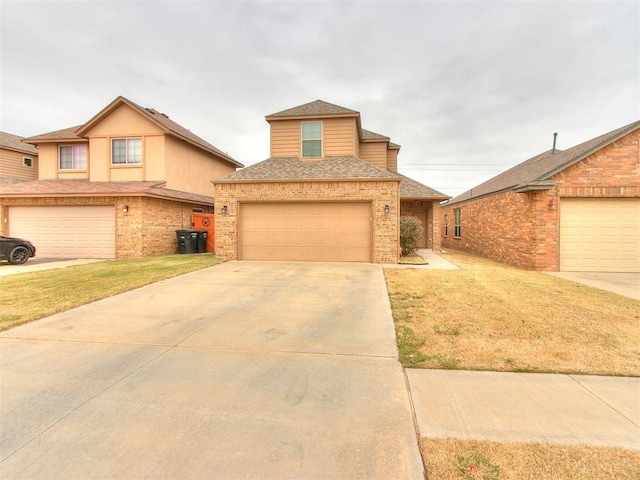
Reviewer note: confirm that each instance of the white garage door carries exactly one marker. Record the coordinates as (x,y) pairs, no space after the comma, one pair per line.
(66,232)
(334,231)
(600,235)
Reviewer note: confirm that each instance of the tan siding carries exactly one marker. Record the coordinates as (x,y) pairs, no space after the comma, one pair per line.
(285,138)
(374,153)
(12,165)
(339,136)
(392,160)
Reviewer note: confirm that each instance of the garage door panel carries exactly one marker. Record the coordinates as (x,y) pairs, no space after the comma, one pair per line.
(600,235)
(333,231)
(66,232)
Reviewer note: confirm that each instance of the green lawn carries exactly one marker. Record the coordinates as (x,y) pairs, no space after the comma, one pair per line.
(29,296)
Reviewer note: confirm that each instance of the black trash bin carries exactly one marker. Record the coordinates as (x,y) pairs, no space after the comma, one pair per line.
(186,243)
(202,241)
(193,234)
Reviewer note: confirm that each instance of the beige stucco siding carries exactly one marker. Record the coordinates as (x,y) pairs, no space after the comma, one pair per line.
(12,165)
(124,122)
(48,163)
(191,170)
(374,153)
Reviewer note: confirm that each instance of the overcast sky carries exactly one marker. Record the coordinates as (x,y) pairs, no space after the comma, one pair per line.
(468,89)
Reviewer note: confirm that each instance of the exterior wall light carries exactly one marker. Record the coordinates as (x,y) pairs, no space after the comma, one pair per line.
(125,208)
(386,209)
(224,210)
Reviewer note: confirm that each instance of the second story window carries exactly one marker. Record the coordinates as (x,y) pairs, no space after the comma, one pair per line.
(72,157)
(126,151)
(311,139)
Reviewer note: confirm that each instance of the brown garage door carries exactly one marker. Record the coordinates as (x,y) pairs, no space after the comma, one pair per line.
(600,234)
(335,231)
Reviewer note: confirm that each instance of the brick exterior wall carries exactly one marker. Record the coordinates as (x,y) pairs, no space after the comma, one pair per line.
(523,229)
(431,210)
(385,226)
(147,228)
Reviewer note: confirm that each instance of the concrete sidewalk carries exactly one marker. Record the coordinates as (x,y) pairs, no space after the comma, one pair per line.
(527,407)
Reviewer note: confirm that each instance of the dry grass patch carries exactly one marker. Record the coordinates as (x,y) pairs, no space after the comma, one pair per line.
(488,316)
(446,459)
(30,296)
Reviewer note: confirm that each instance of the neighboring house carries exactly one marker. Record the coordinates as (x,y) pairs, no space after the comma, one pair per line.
(117,186)
(18,160)
(328,192)
(572,210)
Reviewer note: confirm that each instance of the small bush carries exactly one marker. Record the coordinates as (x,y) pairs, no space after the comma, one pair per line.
(410,233)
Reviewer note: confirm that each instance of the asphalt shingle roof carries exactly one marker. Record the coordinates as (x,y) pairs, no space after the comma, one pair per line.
(290,168)
(163,121)
(409,188)
(317,107)
(78,188)
(538,170)
(368,135)
(14,142)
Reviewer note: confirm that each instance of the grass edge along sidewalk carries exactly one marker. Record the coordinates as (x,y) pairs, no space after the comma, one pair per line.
(30,296)
(489,316)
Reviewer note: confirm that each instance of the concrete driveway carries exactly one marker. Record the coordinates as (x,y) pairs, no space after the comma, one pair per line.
(243,370)
(627,284)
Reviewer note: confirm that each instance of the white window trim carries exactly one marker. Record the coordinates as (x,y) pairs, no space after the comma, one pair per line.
(27,162)
(302,139)
(127,163)
(86,157)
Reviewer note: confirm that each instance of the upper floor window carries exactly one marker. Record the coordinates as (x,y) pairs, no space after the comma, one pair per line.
(311,139)
(457,225)
(27,162)
(73,157)
(126,151)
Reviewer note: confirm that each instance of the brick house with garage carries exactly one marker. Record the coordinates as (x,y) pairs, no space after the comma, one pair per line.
(117,186)
(329,191)
(18,160)
(571,210)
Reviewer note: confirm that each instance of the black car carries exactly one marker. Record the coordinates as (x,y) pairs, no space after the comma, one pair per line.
(16,250)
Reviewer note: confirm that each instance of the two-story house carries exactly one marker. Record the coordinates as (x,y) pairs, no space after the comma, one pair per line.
(117,186)
(330,191)
(18,160)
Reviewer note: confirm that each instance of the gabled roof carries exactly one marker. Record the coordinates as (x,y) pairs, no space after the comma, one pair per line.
(372,136)
(15,143)
(315,109)
(291,169)
(535,173)
(64,135)
(167,125)
(86,188)
(413,190)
